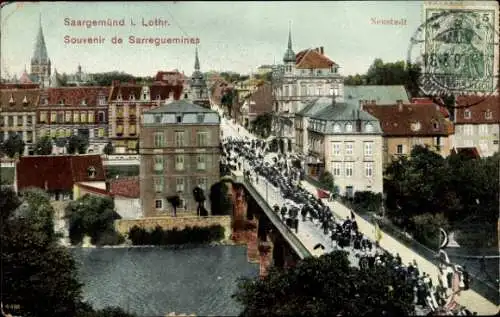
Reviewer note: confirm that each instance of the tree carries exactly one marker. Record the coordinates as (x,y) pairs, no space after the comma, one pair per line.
(220,198)
(262,124)
(108,149)
(44,146)
(13,145)
(38,209)
(199,197)
(175,201)
(327,182)
(106,79)
(326,286)
(77,144)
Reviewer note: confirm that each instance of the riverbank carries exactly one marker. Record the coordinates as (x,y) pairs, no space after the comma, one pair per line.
(171,246)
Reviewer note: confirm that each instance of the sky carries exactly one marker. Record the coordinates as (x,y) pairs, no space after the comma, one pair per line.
(233,36)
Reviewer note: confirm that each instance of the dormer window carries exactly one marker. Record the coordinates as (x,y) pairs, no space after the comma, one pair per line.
(144,95)
(369,127)
(467,114)
(131,97)
(11,100)
(488,114)
(102,100)
(435,125)
(157,118)
(91,172)
(45,101)
(61,102)
(178,118)
(25,100)
(348,127)
(415,126)
(158,97)
(336,128)
(185,96)
(119,97)
(199,118)
(84,102)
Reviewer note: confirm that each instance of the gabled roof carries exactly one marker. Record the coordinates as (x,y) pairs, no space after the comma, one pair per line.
(125,187)
(180,106)
(312,58)
(481,106)
(73,96)
(58,172)
(381,94)
(17,96)
(411,120)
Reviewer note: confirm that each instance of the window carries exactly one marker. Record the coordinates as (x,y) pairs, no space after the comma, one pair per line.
(43,117)
(179,162)
(178,119)
(158,163)
(400,149)
(179,184)
(53,117)
(337,168)
(369,127)
(102,100)
(320,91)
(131,129)
(19,121)
(61,102)
(348,146)
(100,117)
(69,132)
(202,138)
(202,183)
(483,129)
(119,129)
(91,172)
(179,138)
(60,117)
(84,102)
(119,112)
(201,162)
(10,121)
(303,90)
(76,117)
(101,133)
(199,118)
(467,114)
(468,130)
(368,169)
(29,137)
(131,97)
(488,114)
(67,116)
(368,148)
(336,128)
(83,116)
(91,116)
(349,169)
(435,125)
(159,185)
(159,139)
(119,97)
(157,118)
(159,204)
(348,127)
(336,148)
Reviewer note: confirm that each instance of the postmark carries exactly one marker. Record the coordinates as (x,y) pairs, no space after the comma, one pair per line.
(457,51)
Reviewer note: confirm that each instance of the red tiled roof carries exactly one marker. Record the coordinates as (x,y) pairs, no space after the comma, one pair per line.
(19,86)
(478,112)
(95,190)
(125,187)
(263,98)
(428,101)
(170,76)
(59,172)
(73,96)
(312,58)
(471,152)
(396,121)
(17,95)
(165,90)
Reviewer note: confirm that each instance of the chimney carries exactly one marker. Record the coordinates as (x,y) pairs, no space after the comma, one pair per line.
(321,50)
(400,105)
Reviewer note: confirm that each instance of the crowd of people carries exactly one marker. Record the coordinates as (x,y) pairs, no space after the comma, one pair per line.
(252,158)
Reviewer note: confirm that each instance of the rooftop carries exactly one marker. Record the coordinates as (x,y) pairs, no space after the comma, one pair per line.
(180,106)
(381,94)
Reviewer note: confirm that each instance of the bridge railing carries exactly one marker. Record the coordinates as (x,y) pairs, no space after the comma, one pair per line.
(287,233)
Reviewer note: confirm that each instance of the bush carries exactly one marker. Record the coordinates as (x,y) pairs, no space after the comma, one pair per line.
(425,229)
(158,236)
(367,201)
(109,238)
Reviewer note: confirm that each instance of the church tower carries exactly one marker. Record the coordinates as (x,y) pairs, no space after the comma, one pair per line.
(289,58)
(198,86)
(40,62)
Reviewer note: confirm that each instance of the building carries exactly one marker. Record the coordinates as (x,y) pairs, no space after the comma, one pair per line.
(128,101)
(179,148)
(74,111)
(258,103)
(407,125)
(354,95)
(58,174)
(18,115)
(198,90)
(308,75)
(478,124)
(79,78)
(346,141)
(40,62)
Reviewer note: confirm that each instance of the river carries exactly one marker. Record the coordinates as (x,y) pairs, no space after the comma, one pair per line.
(156,281)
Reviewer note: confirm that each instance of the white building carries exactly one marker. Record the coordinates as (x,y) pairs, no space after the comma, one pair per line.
(347,142)
(304,76)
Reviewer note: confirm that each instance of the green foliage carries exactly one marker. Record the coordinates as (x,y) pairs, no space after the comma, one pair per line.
(426,229)
(262,125)
(463,189)
(106,79)
(44,146)
(13,146)
(38,210)
(367,201)
(192,235)
(327,182)
(325,286)
(220,199)
(6,175)
(108,149)
(77,144)
(93,216)
(397,73)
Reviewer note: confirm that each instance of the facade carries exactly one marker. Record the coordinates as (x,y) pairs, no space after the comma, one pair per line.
(407,125)
(57,174)
(258,103)
(18,115)
(79,78)
(179,150)
(308,75)
(74,111)
(347,142)
(40,62)
(127,102)
(478,125)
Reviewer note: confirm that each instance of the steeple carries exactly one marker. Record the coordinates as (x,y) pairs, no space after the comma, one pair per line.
(289,54)
(40,55)
(196,60)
